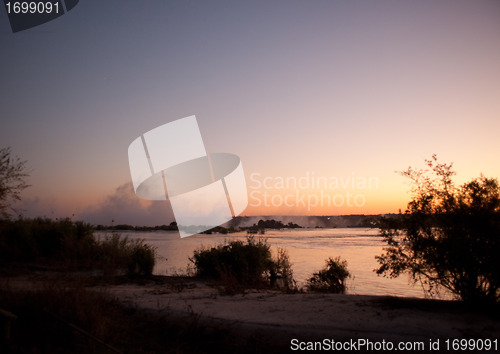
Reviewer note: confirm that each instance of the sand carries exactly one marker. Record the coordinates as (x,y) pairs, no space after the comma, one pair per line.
(278,318)
(275,319)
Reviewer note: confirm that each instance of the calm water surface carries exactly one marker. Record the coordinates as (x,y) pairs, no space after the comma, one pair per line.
(308,249)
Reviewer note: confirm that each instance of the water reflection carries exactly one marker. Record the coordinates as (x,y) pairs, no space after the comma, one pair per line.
(308,249)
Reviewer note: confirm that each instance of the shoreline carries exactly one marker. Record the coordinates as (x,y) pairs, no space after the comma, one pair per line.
(272,319)
(309,316)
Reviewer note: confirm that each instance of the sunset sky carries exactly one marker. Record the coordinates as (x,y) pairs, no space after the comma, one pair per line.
(337,93)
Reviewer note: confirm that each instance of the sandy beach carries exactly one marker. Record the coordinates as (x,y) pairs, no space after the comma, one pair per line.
(273,321)
(277,318)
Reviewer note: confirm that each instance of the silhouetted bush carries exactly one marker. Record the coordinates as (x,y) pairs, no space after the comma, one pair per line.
(142,259)
(448,237)
(280,271)
(69,244)
(330,279)
(247,263)
(113,253)
(42,239)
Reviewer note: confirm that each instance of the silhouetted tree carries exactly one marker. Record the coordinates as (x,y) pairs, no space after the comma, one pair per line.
(448,236)
(12,181)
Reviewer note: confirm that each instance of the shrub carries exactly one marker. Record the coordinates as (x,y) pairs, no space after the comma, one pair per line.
(330,279)
(142,259)
(448,237)
(45,240)
(69,244)
(247,263)
(116,253)
(113,253)
(280,271)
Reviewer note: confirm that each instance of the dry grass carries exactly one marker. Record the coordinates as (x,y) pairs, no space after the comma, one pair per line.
(62,316)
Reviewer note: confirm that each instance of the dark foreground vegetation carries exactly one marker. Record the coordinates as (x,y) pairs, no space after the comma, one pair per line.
(62,306)
(58,308)
(67,317)
(72,246)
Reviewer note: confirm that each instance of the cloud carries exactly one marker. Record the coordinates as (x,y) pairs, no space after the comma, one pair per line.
(124,207)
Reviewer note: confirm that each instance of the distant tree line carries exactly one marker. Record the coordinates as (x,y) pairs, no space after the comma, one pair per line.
(261,225)
(125,227)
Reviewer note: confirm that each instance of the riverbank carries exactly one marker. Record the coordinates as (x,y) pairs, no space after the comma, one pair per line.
(257,320)
(281,317)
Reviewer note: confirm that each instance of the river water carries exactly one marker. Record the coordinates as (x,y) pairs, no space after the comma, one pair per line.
(308,250)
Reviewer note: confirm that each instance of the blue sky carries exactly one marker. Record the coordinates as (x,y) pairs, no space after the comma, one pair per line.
(338,88)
